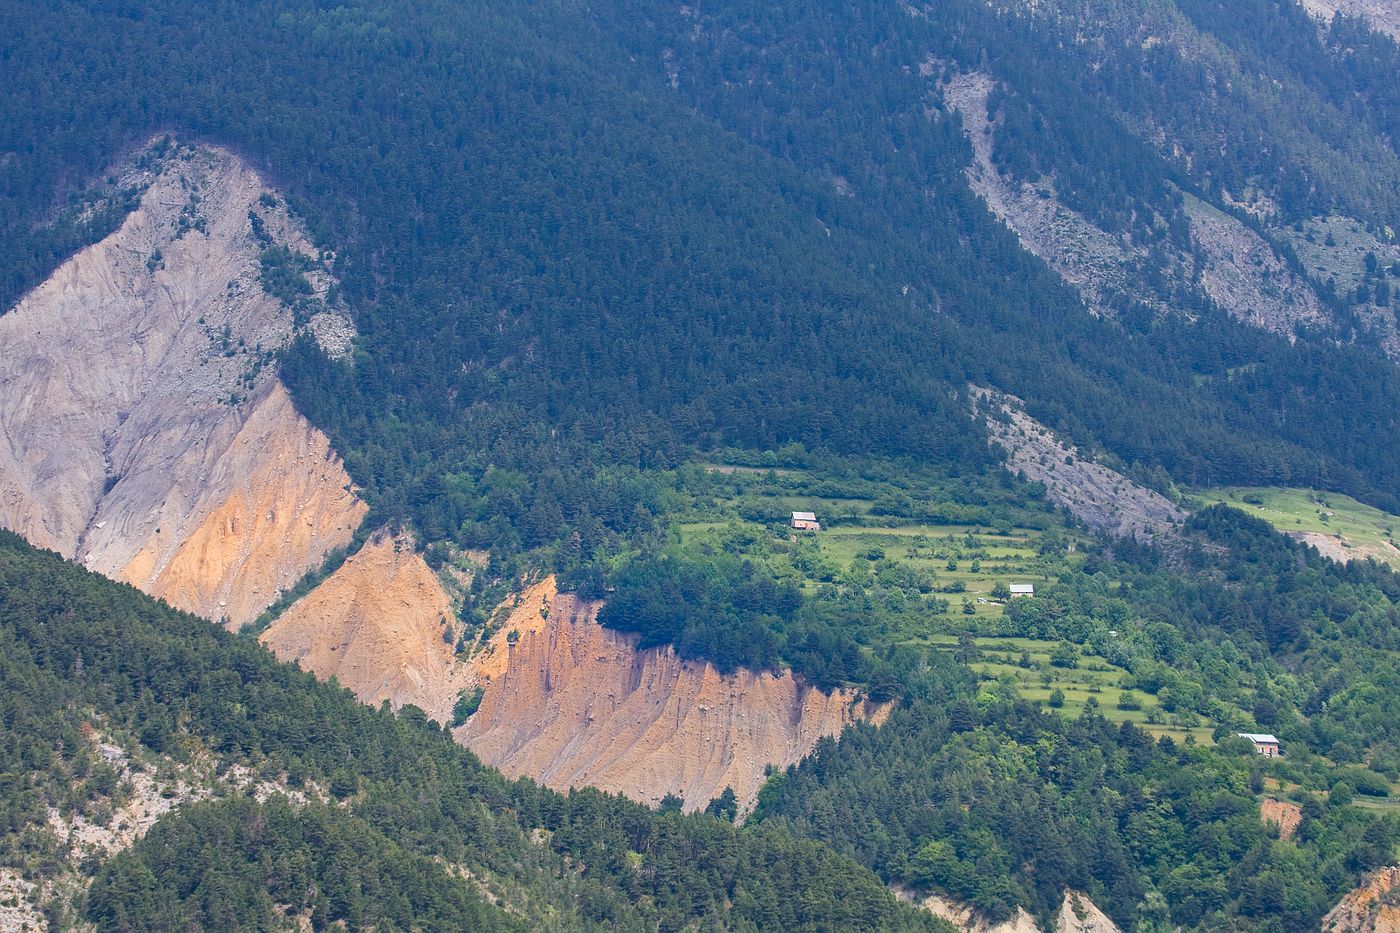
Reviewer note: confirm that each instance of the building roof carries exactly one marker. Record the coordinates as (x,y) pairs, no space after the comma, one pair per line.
(1258,738)
(1023,587)
(804,516)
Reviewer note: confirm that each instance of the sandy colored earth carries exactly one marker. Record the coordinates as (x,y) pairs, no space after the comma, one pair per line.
(376,626)
(140,431)
(1343,552)
(1285,815)
(1374,907)
(1077,914)
(1100,497)
(573,703)
(565,701)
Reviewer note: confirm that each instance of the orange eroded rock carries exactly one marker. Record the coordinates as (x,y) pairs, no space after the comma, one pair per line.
(275,502)
(1374,907)
(1285,815)
(577,704)
(376,625)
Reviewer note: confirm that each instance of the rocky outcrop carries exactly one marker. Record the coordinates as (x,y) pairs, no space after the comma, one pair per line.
(1286,816)
(572,703)
(1238,269)
(1085,256)
(565,700)
(141,431)
(1374,907)
(376,625)
(1380,15)
(1244,276)
(1101,498)
(1077,914)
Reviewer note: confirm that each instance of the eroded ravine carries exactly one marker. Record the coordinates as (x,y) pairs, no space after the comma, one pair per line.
(573,703)
(141,431)
(145,434)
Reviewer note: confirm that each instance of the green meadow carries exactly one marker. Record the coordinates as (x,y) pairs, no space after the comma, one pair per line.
(1358,530)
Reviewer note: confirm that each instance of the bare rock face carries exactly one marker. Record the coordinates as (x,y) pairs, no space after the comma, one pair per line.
(577,704)
(1286,816)
(140,431)
(565,701)
(1374,907)
(963,917)
(1240,271)
(1085,256)
(1380,15)
(1078,914)
(1244,276)
(376,625)
(1099,497)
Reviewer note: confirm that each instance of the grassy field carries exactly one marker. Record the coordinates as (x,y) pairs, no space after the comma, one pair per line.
(963,562)
(1358,530)
(960,562)
(1025,664)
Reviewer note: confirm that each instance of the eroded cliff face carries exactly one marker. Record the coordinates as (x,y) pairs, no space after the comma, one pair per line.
(1077,914)
(141,432)
(377,625)
(566,701)
(1374,907)
(577,704)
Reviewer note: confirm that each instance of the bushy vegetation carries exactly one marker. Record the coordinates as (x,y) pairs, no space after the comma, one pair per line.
(984,797)
(421,816)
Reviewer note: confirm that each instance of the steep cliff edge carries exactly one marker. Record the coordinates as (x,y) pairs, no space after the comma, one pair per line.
(376,625)
(577,704)
(141,431)
(565,700)
(1374,907)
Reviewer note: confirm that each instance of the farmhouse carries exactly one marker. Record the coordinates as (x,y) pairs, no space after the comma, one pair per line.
(1022,589)
(1264,744)
(806,521)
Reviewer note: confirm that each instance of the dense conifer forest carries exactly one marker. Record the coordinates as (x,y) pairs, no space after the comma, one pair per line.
(408,816)
(630,280)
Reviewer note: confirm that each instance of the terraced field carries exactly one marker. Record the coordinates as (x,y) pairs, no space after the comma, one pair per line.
(960,562)
(1027,665)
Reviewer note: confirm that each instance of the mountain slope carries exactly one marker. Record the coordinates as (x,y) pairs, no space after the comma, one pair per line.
(412,829)
(144,433)
(552,234)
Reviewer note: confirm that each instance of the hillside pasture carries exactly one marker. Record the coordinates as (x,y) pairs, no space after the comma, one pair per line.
(1026,665)
(1339,526)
